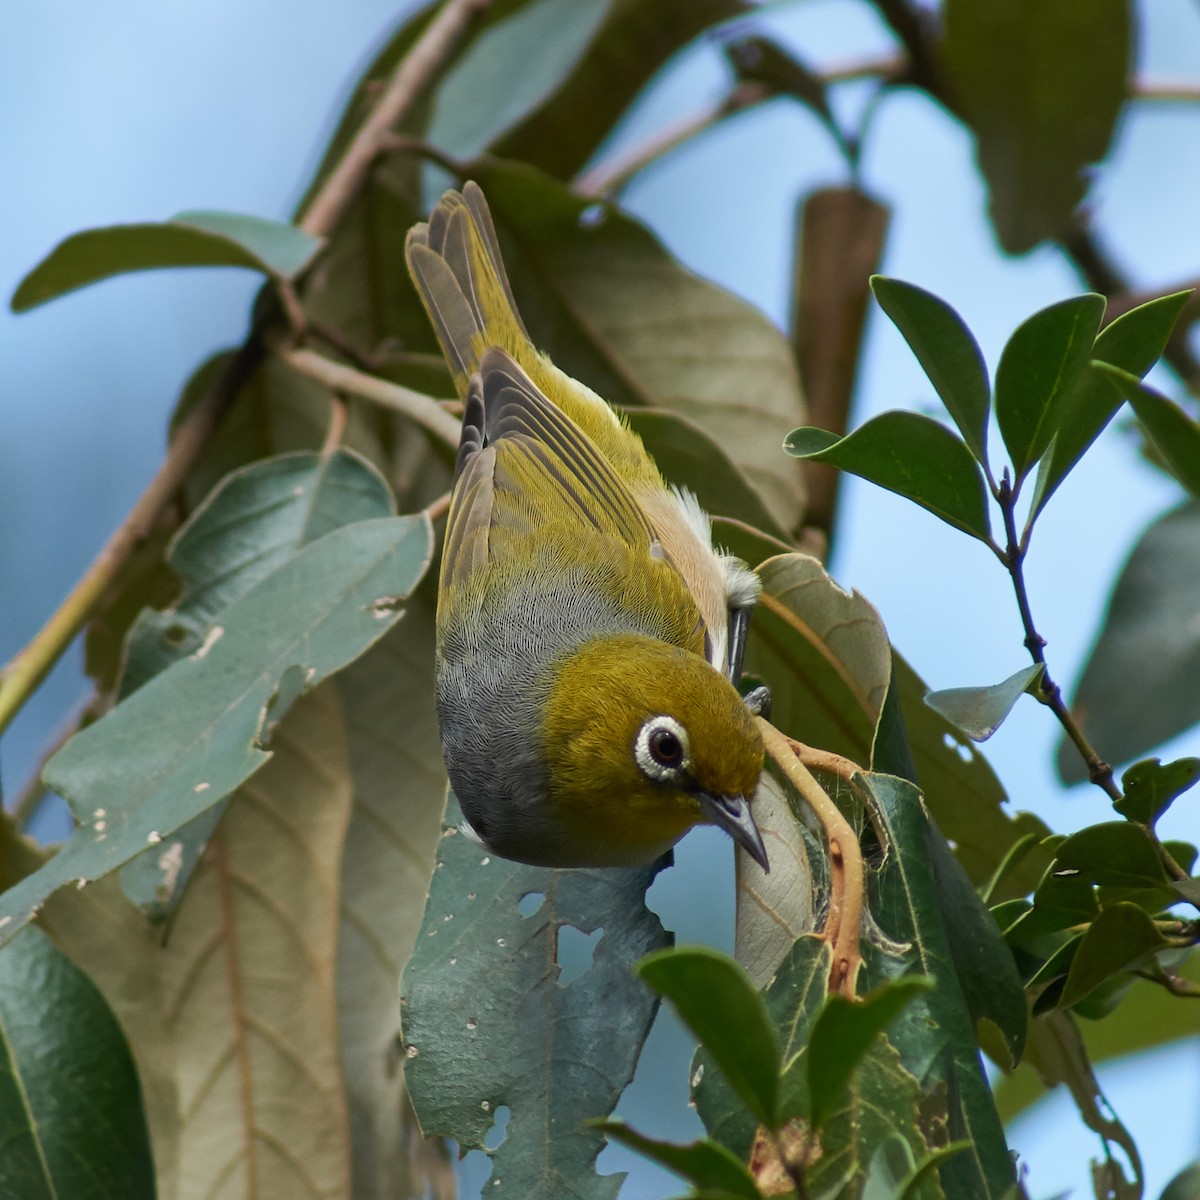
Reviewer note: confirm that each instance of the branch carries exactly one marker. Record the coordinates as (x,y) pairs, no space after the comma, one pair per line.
(427,413)
(27,670)
(846,877)
(417,69)
(1049,693)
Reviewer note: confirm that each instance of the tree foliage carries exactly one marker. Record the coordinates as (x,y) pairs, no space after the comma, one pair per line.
(198,990)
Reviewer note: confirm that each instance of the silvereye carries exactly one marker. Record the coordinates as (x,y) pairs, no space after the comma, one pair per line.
(586,628)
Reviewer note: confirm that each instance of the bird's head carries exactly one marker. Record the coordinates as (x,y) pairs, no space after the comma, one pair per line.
(642,741)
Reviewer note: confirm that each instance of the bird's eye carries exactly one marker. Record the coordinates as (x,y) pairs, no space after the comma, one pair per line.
(662,749)
(666,748)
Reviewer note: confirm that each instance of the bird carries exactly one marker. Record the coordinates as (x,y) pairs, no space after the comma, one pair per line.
(588,634)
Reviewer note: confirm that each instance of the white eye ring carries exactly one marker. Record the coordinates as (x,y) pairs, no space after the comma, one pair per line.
(661,749)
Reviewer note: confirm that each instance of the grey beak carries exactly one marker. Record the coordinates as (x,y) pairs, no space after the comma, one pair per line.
(732,814)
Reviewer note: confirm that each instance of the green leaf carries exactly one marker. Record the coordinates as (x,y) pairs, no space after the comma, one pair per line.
(1134,341)
(793,999)
(1150,788)
(487,1023)
(1148,1016)
(1141,684)
(1174,434)
(252,522)
(717,1002)
(1185,1185)
(387,700)
(191,239)
(496,82)
(193,734)
(893,1173)
(980,711)
(982,962)
(1115,853)
(633,43)
(1118,938)
(70,1104)
(842,1035)
(909,454)
(1038,369)
(935,1034)
(1063,898)
(704,1164)
(1041,85)
(250,964)
(947,352)
(585,284)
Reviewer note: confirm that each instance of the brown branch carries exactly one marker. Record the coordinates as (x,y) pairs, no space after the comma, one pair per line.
(421,409)
(416,70)
(843,926)
(27,670)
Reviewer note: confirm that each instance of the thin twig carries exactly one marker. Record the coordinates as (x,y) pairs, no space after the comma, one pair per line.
(337,425)
(846,876)
(609,177)
(27,670)
(1048,692)
(1178,91)
(419,67)
(419,408)
(1175,984)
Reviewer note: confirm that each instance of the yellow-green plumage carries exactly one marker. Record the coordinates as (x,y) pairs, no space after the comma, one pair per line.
(582,613)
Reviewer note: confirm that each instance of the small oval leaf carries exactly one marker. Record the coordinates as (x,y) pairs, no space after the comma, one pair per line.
(947,352)
(1038,368)
(911,455)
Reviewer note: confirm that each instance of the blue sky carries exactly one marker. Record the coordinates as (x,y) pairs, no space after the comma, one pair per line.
(133,111)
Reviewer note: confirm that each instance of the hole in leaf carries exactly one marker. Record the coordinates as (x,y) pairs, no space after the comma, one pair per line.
(473,1169)
(575,950)
(592,216)
(499,1128)
(961,748)
(530,903)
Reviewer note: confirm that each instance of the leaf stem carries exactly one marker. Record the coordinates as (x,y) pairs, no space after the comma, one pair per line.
(1048,692)
(422,409)
(429,55)
(21,677)
(846,876)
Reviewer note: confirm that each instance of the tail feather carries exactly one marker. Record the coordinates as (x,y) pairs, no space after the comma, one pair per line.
(455,262)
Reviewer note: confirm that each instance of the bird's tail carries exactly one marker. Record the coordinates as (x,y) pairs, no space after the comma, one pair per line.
(455,262)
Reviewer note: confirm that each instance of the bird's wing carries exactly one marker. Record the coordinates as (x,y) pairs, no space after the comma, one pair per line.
(522,463)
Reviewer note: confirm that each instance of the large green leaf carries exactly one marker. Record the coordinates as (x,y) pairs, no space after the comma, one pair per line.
(1133,341)
(634,41)
(909,454)
(488,1025)
(935,1034)
(71,1121)
(1119,937)
(187,739)
(1039,370)
(612,308)
(1041,86)
(947,352)
(248,976)
(1150,787)
(1141,684)
(256,519)
(192,239)
(399,792)
(496,82)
